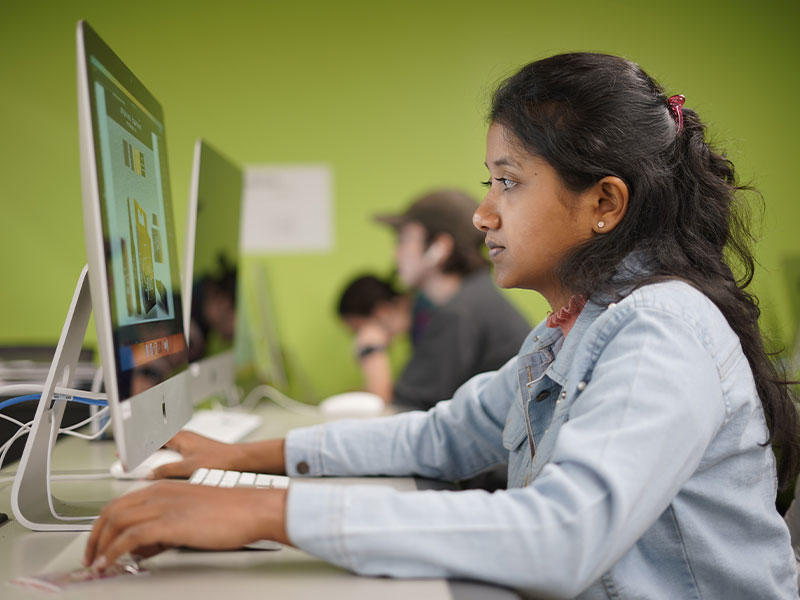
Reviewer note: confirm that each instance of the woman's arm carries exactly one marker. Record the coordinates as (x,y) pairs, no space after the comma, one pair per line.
(456,439)
(636,433)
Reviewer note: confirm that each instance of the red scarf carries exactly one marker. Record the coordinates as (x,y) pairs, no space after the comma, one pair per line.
(566,316)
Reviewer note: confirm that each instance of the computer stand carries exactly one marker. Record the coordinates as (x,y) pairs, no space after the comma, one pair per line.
(31,500)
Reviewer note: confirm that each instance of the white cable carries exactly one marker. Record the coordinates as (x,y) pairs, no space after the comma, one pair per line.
(26,427)
(20,432)
(279,398)
(71,428)
(12,419)
(93,436)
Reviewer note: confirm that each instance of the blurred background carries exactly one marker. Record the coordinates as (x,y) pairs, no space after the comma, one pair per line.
(392,97)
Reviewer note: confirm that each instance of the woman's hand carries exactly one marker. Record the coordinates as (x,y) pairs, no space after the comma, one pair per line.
(197,451)
(371,333)
(171,513)
(266,456)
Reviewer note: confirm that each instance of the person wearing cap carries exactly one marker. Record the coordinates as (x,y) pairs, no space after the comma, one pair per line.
(467,328)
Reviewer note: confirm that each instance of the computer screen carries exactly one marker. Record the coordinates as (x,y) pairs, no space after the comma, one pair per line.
(211,271)
(131,250)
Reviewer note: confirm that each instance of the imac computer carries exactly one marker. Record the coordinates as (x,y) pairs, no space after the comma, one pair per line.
(133,284)
(210,299)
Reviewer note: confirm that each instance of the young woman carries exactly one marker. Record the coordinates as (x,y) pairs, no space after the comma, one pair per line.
(636,421)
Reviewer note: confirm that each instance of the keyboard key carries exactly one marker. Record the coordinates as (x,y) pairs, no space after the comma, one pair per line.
(247,479)
(214,477)
(263,480)
(229,479)
(280,481)
(199,475)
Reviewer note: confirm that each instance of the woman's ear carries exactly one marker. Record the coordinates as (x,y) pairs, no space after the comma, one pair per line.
(610,203)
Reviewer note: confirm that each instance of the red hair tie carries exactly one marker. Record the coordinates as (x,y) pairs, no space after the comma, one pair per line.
(676,106)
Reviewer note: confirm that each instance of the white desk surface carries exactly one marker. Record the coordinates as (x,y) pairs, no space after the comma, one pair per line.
(176,575)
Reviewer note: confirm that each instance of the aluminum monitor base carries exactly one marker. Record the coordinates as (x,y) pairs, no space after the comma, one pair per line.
(31,500)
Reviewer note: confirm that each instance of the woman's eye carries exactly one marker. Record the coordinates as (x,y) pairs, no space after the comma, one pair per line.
(507,183)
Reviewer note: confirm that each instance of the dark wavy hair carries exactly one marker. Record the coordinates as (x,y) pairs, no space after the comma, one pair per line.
(361,296)
(595,115)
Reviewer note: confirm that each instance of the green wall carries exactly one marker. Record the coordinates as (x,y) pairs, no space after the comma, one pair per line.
(391,95)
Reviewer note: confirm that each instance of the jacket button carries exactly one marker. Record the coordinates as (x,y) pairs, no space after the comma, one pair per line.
(302,467)
(581,386)
(612,305)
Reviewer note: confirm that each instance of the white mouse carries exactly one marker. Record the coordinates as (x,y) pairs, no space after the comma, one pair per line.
(155,460)
(352,404)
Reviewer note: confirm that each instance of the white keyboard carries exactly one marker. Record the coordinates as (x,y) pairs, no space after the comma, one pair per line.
(220,478)
(223,426)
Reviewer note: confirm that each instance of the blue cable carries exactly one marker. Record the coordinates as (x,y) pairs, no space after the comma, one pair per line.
(80,400)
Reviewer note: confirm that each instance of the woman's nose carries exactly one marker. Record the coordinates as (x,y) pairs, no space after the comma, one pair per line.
(485,217)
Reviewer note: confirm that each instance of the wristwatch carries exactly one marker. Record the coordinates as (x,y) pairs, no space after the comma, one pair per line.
(362,353)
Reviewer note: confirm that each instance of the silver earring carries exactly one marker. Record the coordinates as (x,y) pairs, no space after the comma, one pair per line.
(601,224)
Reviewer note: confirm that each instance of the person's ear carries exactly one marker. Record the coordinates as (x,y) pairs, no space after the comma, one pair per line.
(609,203)
(439,250)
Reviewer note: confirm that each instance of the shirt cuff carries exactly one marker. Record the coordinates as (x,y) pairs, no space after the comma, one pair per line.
(314,520)
(303,451)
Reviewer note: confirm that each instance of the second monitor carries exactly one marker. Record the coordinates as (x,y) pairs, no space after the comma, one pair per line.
(211,272)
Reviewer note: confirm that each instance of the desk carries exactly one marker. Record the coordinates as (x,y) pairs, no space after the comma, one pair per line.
(176,575)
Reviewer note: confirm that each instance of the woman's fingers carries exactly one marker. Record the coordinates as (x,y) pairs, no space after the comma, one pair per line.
(123,520)
(110,518)
(182,468)
(142,539)
(175,513)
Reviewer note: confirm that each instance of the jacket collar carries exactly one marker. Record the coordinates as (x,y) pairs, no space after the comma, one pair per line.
(563,349)
(565,354)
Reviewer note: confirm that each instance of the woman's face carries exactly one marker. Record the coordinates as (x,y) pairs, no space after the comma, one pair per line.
(530,218)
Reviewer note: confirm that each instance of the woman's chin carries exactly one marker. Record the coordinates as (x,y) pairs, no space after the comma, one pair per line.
(501,279)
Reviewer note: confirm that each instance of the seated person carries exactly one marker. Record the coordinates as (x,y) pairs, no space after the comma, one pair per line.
(369,302)
(461,324)
(637,421)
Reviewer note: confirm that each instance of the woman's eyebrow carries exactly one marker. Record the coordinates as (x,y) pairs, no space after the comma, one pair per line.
(504,161)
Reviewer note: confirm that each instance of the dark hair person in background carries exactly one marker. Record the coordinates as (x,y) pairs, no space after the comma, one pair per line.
(637,420)
(371,298)
(369,302)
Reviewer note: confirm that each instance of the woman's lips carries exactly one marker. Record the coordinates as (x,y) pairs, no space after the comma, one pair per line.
(494,249)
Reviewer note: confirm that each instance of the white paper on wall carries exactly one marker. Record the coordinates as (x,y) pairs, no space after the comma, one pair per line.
(287,208)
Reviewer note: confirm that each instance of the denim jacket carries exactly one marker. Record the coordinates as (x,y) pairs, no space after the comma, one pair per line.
(636,461)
